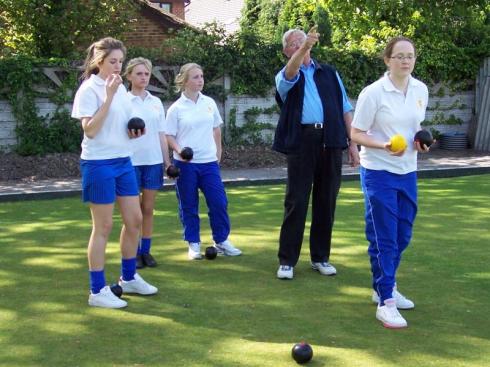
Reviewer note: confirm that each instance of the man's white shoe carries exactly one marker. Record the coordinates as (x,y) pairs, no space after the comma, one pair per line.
(285,272)
(138,286)
(324,268)
(227,249)
(389,315)
(402,303)
(105,298)
(194,251)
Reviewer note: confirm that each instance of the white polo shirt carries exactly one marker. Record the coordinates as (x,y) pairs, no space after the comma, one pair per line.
(192,125)
(147,149)
(383,111)
(112,139)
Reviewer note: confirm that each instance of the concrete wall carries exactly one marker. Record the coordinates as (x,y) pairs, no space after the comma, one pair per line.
(8,123)
(460,105)
(7,127)
(244,103)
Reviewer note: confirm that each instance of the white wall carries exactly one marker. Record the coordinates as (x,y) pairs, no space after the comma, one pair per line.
(464,110)
(460,105)
(7,126)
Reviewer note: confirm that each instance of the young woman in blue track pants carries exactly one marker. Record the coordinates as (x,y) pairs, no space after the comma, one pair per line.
(193,121)
(395,104)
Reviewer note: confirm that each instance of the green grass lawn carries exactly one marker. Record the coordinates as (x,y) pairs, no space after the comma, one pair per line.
(233,311)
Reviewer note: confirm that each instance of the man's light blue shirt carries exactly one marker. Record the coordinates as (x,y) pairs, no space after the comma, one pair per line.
(312,104)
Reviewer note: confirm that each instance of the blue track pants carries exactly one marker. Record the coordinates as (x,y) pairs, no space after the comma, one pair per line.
(391,207)
(205,177)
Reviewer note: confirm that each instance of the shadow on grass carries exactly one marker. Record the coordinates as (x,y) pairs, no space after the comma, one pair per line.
(233,311)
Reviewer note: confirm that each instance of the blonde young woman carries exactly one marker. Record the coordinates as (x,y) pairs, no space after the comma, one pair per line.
(101,104)
(193,121)
(395,104)
(150,152)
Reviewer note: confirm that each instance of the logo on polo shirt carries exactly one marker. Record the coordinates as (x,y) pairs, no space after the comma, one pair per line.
(210,109)
(420,103)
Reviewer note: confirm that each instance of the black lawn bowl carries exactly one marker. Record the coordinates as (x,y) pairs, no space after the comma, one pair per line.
(116,290)
(302,353)
(187,153)
(172,171)
(424,137)
(211,253)
(136,123)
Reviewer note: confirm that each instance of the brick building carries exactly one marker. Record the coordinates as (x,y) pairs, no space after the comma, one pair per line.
(176,7)
(154,24)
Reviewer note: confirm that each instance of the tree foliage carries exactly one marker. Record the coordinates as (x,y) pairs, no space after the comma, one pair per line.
(452,36)
(57,28)
(269,19)
(208,48)
(249,60)
(261,17)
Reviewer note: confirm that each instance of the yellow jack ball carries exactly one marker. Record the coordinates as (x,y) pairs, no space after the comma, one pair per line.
(398,143)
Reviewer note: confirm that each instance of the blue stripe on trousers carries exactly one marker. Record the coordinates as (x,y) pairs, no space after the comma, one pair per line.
(390,210)
(205,177)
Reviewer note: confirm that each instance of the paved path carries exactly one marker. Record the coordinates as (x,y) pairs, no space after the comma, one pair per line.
(439,164)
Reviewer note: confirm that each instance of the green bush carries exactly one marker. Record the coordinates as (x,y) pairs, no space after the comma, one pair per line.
(247,59)
(452,37)
(39,134)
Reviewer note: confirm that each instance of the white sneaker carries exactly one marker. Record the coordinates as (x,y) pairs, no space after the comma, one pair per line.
(324,268)
(227,249)
(285,272)
(138,286)
(194,251)
(389,315)
(105,298)
(402,303)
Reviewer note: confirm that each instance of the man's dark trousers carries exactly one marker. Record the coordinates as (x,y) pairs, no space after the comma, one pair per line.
(321,168)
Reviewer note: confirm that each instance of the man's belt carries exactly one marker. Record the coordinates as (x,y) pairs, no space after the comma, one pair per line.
(315,126)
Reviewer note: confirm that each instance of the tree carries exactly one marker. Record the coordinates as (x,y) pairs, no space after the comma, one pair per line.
(58,28)
(248,59)
(269,19)
(261,17)
(304,14)
(443,30)
(207,47)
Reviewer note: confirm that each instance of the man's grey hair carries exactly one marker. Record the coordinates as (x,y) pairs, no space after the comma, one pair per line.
(290,32)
